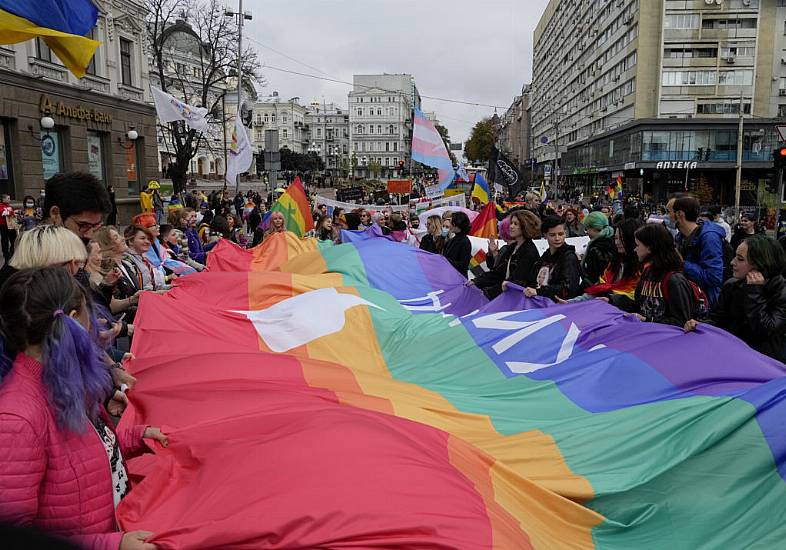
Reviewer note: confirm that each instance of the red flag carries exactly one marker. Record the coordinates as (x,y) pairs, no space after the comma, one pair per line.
(485,225)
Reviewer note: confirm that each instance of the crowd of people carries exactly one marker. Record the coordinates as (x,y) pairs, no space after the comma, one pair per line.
(70,286)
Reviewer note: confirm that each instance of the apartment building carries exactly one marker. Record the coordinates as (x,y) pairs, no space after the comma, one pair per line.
(329,134)
(641,89)
(514,131)
(381,108)
(288,117)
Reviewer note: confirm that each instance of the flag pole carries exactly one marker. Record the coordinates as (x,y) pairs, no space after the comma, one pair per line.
(239,73)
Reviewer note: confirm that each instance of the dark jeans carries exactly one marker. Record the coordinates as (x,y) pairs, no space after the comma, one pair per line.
(7,239)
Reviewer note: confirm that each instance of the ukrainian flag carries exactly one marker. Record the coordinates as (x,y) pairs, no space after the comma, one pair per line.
(62,24)
(481,189)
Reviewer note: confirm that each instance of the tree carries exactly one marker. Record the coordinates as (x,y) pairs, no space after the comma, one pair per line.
(374,168)
(197,33)
(344,167)
(299,162)
(354,164)
(478,147)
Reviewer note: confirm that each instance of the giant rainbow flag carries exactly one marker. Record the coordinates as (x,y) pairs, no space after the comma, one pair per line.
(62,24)
(360,396)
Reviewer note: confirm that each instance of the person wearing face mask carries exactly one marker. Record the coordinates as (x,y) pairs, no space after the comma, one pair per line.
(557,273)
(752,305)
(31,214)
(515,262)
(458,249)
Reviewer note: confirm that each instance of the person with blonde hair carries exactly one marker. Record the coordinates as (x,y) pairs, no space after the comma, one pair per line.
(43,246)
(433,241)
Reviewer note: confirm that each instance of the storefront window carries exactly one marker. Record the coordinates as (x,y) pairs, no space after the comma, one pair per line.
(51,153)
(132,170)
(6,177)
(95,155)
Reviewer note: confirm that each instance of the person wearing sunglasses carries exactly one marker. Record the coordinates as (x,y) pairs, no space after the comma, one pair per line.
(78,202)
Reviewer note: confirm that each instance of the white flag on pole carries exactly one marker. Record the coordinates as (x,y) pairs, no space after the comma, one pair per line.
(171,109)
(240,154)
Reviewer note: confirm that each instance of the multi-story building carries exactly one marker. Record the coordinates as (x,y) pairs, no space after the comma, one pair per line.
(514,131)
(93,116)
(643,89)
(381,108)
(329,134)
(288,117)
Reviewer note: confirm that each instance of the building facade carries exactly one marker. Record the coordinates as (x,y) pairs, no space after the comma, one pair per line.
(329,134)
(635,88)
(381,109)
(514,132)
(287,117)
(93,116)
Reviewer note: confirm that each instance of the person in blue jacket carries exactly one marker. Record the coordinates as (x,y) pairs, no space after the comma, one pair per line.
(700,243)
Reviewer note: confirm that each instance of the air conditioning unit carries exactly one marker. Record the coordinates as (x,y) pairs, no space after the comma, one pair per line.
(783,60)
(729,60)
(782,92)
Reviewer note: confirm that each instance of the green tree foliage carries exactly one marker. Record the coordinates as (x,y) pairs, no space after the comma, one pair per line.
(478,147)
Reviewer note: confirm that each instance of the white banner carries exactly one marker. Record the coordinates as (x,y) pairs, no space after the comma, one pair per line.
(240,155)
(171,109)
(417,206)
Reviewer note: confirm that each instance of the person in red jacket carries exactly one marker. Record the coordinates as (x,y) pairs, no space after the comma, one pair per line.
(61,462)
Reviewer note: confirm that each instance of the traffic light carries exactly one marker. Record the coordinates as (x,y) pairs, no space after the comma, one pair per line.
(779,158)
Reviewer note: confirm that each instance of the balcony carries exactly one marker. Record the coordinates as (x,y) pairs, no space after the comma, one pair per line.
(95,83)
(43,68)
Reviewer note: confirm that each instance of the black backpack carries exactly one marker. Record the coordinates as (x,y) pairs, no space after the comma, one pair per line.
(728,255)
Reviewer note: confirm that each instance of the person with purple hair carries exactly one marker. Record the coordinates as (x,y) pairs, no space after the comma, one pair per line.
(61,462)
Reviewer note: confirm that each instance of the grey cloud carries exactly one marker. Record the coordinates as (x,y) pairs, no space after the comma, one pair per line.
(473,50)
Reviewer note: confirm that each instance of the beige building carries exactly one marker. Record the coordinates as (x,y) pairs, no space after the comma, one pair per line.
(287,117)
(514,130)
(92,117)
(328,127)
(624,68)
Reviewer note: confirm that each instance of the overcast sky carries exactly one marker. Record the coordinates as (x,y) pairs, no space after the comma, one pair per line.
(472,50)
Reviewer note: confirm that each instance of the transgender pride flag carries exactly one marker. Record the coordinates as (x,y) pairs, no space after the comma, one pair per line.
(429,149)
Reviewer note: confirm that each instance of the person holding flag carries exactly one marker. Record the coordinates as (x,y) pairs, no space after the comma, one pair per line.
(515,262)
(480,191)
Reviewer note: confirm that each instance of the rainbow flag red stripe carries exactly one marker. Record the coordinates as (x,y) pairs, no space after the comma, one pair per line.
(485,225)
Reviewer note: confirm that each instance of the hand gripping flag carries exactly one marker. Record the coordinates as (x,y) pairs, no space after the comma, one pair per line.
(294,206)
(62,24)
(171,109)
(429,149)
(481,189)
(240,155)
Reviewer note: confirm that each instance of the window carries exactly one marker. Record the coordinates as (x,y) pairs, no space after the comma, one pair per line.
(356,147)
(360,112)
(91,67)
(387,146)
(51,154)
(689,21)
(379,129)
(284,133)
(259,119)
(266,118)
(688,78)
(273,118)
(390,129)
(735,78)
(319,132)
(42,51)
(132,172)
(6,176)
(371,129)
(379,112)
(395,146)
(125,62)
(95,155)
(359,129)
(283,119)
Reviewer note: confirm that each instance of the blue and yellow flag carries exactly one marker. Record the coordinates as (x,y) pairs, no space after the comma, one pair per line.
(481,189)
(62,24)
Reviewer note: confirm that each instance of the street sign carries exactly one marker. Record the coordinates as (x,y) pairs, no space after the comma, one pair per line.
(781,129)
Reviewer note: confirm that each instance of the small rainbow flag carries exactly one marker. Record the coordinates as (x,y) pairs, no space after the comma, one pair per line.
(295,207)
(485,225)
(615,191)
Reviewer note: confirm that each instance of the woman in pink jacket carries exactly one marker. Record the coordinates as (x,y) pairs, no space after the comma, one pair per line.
(61,463)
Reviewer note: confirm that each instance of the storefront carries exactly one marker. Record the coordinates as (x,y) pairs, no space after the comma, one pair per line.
(657,158)
(47,129)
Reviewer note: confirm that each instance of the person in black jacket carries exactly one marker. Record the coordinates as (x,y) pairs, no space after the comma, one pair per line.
(516,261)
(557,271)
(663,294)
(433,241)
(752,305)
(601,250)
(458,249)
